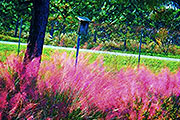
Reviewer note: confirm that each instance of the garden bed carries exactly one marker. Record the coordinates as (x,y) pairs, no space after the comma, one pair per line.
(86,91)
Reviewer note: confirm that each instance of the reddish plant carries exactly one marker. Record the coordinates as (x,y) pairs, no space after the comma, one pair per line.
(126,94)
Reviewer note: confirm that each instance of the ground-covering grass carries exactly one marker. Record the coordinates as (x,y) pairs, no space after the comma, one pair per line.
(88,91)
(112,62)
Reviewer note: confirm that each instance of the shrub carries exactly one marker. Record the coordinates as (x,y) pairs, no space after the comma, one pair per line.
(66,40)
(87,91)
(10,39)
(22,98)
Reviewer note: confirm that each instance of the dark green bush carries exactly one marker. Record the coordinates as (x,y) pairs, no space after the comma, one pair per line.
(11,39)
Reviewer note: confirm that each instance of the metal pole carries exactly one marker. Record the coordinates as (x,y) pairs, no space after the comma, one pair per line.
(77,52)
(20,37)
(140,47)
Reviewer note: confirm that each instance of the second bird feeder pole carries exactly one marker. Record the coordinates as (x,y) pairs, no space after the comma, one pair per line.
(20,37)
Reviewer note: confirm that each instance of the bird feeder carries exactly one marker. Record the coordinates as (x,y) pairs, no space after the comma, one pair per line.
(82,31)
(83,25)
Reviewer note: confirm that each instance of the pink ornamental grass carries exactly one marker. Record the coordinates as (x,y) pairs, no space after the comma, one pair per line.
(15,85)
(3,102)
(126,93)
(106,90)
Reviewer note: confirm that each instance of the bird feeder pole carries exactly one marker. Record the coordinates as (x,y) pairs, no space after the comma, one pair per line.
(140,43)
(20,37)
(82,30)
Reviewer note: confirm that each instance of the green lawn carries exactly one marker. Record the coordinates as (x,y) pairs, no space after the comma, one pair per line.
(170,55)
(112,62)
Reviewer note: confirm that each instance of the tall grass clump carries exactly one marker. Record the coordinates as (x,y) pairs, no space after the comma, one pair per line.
(87,91)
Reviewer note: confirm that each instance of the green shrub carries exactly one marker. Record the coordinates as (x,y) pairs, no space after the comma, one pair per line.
(11,39)
(66,40)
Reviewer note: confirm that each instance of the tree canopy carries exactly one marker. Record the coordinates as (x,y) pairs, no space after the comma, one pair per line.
(111,17)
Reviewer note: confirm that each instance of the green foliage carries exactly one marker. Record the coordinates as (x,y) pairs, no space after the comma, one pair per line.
(162,48)
(57,105)
(114,21)
(11,12)
(171,106)
(66,40)
(48,39)
(11,39)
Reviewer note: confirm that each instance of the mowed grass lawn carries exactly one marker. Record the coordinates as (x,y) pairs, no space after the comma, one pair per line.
(111,62)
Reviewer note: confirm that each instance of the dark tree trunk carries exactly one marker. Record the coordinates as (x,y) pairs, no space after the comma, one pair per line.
(35,43)
(37,30)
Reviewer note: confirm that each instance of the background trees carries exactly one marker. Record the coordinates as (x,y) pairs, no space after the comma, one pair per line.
(11,13)
(115,21)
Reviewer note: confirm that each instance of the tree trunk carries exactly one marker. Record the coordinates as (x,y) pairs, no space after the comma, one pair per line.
(34,47)
(37,30)
(35,44)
